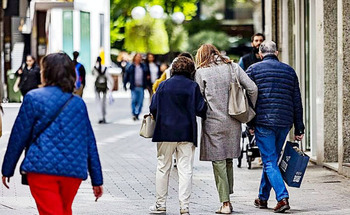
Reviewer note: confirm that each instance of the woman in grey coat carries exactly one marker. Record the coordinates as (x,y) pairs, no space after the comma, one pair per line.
(220,138)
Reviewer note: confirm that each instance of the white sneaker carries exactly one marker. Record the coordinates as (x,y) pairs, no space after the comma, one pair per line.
(157,209)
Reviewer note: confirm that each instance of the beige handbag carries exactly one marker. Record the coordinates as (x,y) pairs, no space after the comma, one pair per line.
(238,105)
(148,126)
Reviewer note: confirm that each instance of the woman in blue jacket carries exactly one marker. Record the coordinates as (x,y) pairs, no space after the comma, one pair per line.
(175,106)
(54,128)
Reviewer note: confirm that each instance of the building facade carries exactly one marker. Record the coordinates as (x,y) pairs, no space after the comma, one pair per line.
(312,37)
(39,27)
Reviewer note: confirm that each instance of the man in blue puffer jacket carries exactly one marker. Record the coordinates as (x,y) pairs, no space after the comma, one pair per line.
(278,107)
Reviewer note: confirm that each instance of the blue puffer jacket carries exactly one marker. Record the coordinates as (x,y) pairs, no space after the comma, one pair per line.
(279,100)
(66,148)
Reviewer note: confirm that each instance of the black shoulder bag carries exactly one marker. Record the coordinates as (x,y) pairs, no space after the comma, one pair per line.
(24,175)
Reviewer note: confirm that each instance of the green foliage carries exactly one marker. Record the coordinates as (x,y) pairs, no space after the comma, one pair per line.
(218,39)
(121,12)
(196,26)
(178,36)
(146,35)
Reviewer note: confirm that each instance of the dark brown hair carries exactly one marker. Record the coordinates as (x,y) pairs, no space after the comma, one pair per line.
(183,65)
(257,35)
(58,70)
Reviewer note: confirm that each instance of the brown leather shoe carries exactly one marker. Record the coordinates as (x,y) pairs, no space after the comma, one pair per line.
(262,204)
(282,206)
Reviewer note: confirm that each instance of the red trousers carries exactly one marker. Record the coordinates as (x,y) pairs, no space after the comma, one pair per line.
(53,195)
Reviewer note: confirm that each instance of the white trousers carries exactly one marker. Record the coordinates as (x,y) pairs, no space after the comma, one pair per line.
(184,156)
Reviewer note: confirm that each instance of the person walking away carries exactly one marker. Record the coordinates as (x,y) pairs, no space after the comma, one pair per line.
(278,107)
(53,127)
(154,70)
(221,133)
(137,75)
(166,74)
(103,82)
(29,76)
(253,56)
(175,106)
(81,75)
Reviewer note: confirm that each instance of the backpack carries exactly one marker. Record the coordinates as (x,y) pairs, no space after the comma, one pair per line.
(78,80)
(101,82)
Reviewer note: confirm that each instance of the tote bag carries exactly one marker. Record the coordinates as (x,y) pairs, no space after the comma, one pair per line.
(238,105)
(147,127)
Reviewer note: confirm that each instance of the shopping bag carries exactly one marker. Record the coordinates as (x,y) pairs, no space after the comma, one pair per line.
(148,126)
(293,163)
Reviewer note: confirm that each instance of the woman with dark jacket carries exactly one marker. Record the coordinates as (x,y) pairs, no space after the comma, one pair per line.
(175,106)
(53,127)
(29,76)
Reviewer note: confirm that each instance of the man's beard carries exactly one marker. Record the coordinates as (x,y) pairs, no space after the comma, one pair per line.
(255,50)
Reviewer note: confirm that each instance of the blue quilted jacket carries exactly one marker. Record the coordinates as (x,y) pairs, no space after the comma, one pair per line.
(279,100)
(66,148)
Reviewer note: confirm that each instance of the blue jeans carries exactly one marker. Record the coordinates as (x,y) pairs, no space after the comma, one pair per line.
(270,141)
(137,95)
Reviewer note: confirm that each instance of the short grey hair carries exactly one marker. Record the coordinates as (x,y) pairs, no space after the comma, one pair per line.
(267,47)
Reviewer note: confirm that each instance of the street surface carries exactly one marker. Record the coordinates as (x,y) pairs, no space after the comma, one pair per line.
(129,164)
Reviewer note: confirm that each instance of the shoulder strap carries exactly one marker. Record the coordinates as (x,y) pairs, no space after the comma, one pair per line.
(51,121)
(78,66)
(233,71)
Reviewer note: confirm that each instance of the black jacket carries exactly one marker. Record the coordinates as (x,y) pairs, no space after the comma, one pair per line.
(247,60)
(30,79)
(130,76)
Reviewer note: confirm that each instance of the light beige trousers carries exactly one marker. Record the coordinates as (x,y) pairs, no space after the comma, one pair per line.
(184,156)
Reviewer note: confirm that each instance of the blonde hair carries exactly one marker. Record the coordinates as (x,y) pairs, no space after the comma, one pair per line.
(205,56)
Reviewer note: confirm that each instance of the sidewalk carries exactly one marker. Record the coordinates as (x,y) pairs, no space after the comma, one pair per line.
(129,164)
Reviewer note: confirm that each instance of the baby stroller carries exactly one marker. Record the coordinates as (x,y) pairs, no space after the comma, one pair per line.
(248,146)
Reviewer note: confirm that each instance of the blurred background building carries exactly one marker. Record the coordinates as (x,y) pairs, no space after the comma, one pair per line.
(39,27)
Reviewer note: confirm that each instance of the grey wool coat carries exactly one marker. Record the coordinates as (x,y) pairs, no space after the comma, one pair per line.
(221,133)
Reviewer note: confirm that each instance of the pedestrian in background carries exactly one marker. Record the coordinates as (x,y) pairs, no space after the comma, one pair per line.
(221,133)
(123,61)
(103,82)
(137,74)
(81,75)
(175,106)
(53,127)
(253,56)
(154,70)
(29,76)
(278,107)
